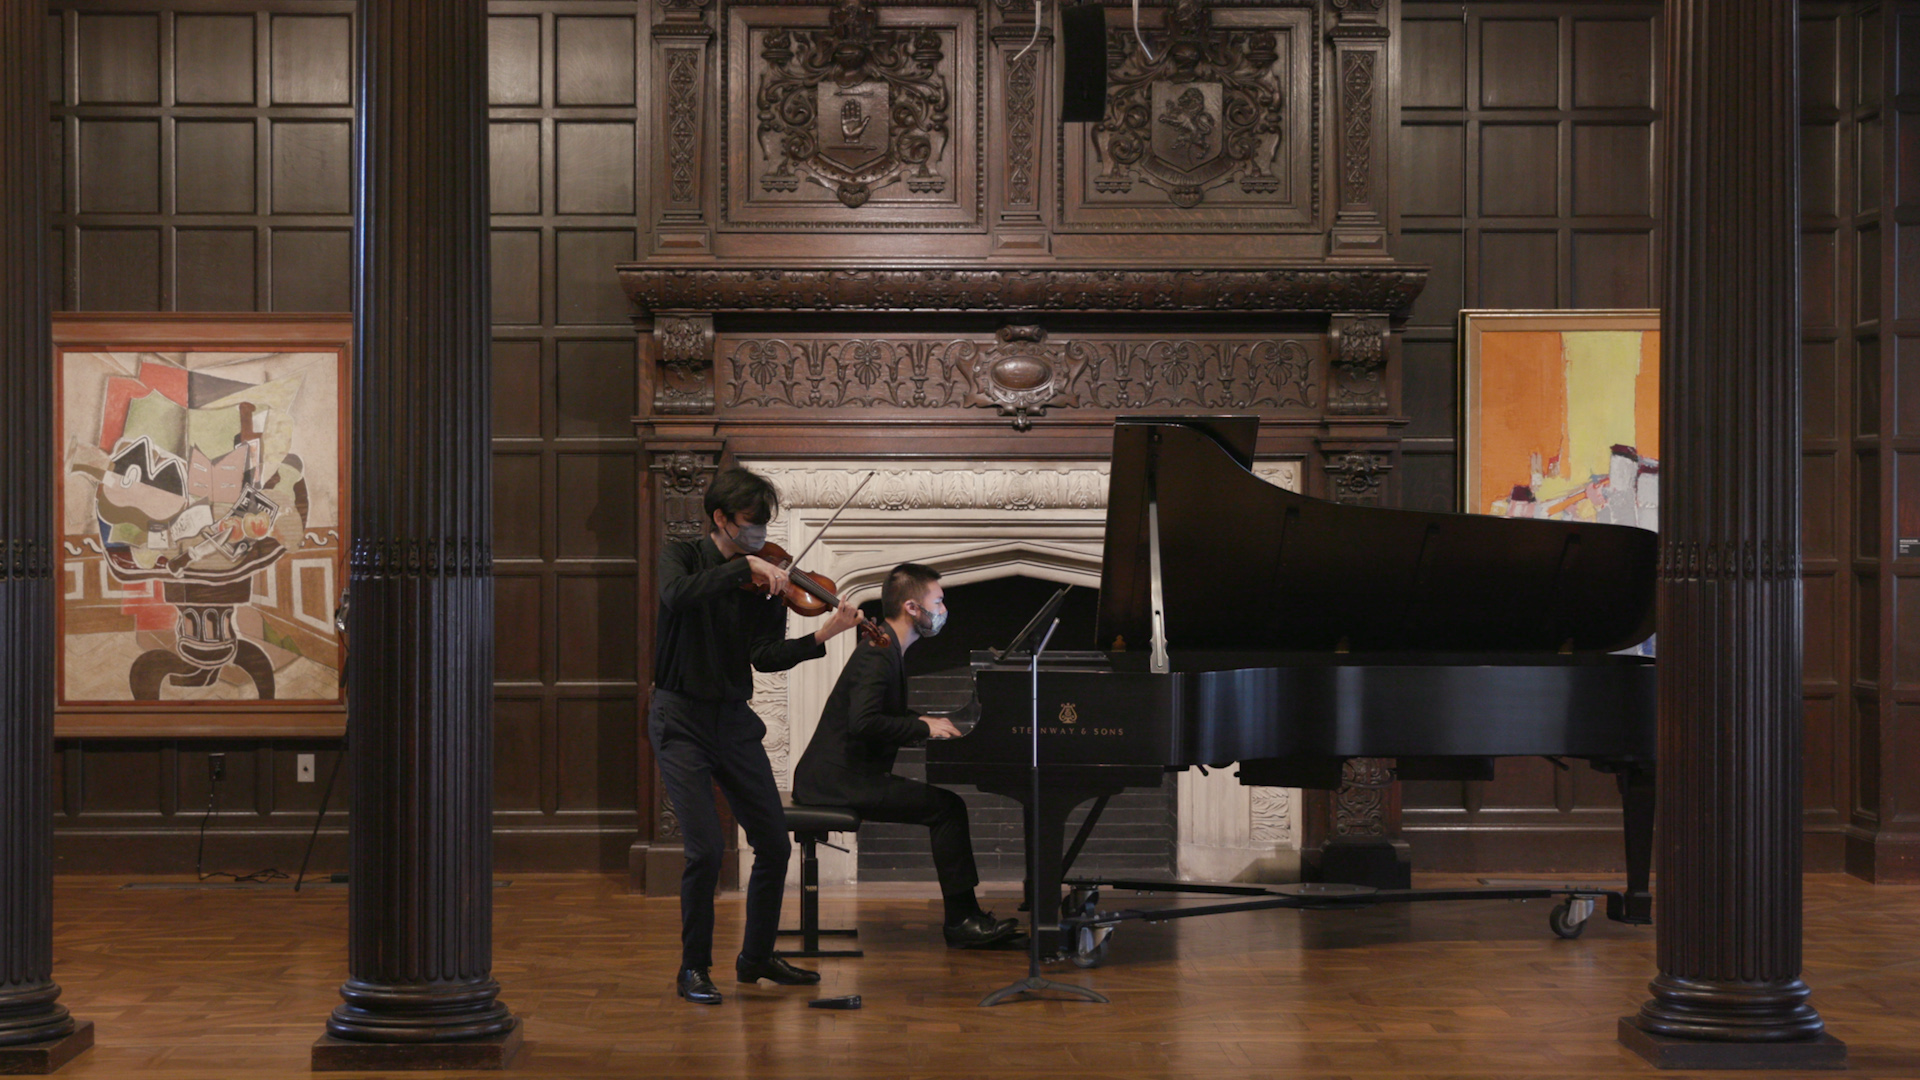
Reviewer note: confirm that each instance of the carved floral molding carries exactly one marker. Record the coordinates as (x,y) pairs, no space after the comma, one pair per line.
(1020,374)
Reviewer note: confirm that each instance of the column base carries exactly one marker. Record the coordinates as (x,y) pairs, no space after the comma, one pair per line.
(40,1058)
(1667,1052)
(345,1055)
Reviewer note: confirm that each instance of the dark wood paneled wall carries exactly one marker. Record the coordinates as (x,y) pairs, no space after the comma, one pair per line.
(1883,429)
(1526,152)
(201,163)
(1526,143)
(569,145)
(1828,134)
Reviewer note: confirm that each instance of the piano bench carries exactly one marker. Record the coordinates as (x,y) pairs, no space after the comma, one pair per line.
(810,826)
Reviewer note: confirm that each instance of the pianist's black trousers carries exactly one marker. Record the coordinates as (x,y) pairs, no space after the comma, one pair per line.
(699,744)
(910,802)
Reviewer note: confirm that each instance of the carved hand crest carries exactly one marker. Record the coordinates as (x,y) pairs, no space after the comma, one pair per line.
(854,108)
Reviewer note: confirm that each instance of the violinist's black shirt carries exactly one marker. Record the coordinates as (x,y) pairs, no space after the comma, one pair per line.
(711,629)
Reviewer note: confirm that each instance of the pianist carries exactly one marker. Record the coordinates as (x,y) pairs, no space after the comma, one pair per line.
(866,722)
(704,732)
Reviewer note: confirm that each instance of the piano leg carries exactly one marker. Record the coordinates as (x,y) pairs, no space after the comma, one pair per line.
(1058,797)
(1636,811)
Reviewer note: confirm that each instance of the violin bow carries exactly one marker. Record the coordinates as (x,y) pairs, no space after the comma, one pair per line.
(844,503)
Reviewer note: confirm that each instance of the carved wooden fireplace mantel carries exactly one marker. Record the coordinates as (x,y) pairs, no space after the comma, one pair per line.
(1008,363)
(1310,347)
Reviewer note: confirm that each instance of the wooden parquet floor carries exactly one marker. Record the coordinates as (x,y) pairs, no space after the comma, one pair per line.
(211,984)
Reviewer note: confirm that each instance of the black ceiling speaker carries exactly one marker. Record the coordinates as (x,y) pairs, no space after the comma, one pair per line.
(1083,63)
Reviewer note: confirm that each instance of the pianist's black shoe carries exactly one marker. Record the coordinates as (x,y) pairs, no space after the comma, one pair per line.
(975,931)
(694,985)
(773,969)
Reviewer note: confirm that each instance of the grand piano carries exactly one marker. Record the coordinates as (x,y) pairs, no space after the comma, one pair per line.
(1242,624)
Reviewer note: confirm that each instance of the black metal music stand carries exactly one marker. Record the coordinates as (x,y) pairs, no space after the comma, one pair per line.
(1035,982)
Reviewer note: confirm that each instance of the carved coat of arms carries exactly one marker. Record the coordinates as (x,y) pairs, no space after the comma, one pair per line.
(853,108)
(1208,111)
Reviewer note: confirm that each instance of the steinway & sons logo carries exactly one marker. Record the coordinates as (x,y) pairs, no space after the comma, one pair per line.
(1069,724)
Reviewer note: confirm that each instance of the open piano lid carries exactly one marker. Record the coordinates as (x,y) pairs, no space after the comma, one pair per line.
(1247,566)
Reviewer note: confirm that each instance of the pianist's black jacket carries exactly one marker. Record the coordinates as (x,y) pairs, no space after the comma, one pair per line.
(864,725)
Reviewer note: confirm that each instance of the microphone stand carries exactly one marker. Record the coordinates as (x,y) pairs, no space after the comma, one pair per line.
(1035,982)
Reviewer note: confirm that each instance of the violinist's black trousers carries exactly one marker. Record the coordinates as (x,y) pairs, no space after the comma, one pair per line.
(699,744)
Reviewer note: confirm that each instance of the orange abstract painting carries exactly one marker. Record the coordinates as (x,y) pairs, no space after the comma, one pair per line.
(1561,415)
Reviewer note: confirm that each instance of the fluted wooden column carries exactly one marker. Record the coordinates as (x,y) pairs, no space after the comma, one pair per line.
(1727,917)
(36,1033)
(420,991)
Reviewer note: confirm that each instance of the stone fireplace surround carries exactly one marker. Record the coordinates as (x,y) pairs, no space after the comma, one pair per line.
(976,521)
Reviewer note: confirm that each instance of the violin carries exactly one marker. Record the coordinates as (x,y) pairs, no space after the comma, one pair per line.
(811,594)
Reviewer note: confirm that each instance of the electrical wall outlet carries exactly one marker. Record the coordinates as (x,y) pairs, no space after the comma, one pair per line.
(303,768)
(217,767)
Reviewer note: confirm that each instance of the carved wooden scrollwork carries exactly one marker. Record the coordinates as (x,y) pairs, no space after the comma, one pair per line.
(1017,375)
(683,122)
(1208,111)
(1021,374)
(1360,805)
(854,108)
(1358,476)
(1359,348)
(686,364)
(1022,116)
(1357,74)
(680,486)
(666,823)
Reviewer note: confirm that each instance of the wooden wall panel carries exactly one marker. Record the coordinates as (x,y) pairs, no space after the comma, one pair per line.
(214,167)
(119,59)
(202,157)
(312,59)
(1883,841)
(1827,369)
(567,151)
(213,59)
(310,269)
(217,270)
(311,160)
(188,117)
(1573,222)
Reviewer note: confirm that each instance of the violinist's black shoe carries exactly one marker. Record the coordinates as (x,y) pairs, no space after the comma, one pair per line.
(975,931)
(773,969)
(694,985)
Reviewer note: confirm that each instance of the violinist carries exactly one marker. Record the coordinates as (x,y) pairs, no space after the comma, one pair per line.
(721,615)
(866,722)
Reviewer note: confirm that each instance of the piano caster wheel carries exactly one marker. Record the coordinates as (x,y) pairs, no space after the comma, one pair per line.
(1565,921)
(1090,946)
